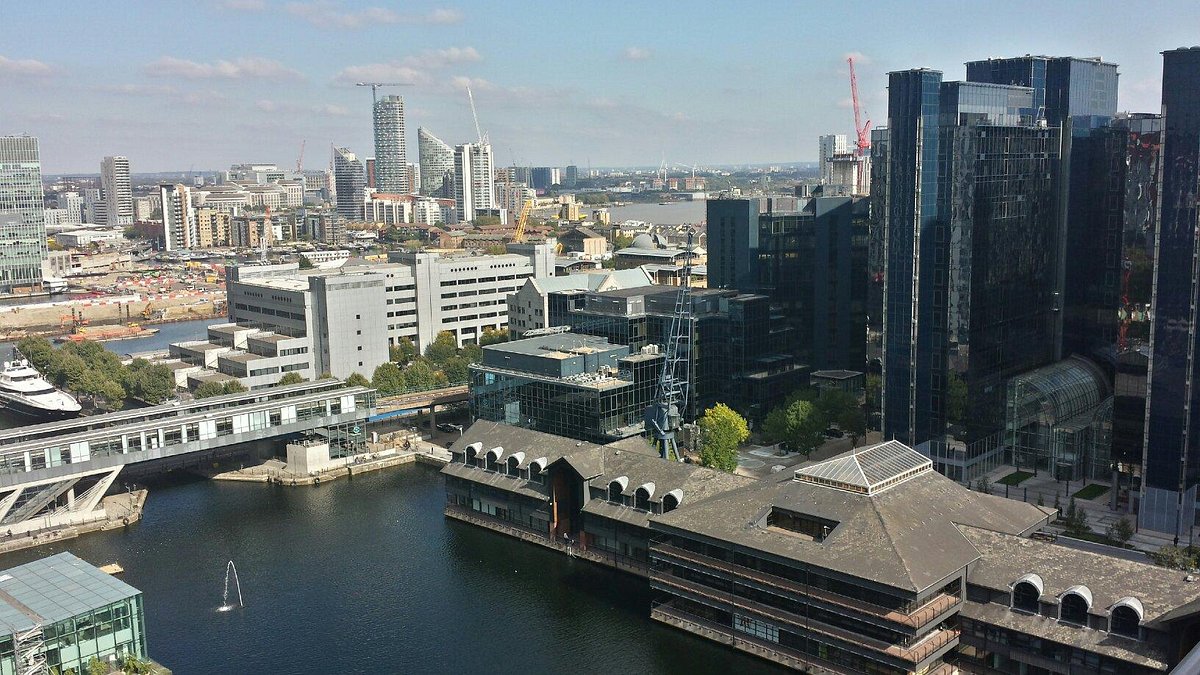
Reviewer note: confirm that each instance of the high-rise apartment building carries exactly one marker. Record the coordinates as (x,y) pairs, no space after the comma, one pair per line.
(391,159)
(544,177)
(437,164)
(72,203)
(828,146)
(1171,465)
(974,239)
(570,176)
(94,209)
(179,218)
(473,186)
(349,183)
(118,191)
(22,223)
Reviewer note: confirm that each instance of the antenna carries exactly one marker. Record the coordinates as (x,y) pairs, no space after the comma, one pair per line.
(471,98)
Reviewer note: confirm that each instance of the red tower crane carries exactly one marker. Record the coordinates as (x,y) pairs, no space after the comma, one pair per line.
(862,130)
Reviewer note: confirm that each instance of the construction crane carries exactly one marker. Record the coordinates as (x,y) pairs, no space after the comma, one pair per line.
(862,131)
(522,221)
(478,132)
(665,414)
(376,85)
(300,159)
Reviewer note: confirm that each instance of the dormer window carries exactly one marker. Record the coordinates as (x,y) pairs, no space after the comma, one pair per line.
(1027,593)
(1073,605)
(615,489)
(1125,618)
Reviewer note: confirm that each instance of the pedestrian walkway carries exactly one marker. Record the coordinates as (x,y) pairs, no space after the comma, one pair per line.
(1101,516)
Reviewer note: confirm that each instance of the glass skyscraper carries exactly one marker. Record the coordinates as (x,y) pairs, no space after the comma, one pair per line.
(349,181)
(973,241)
(1171,464)
(437,165)
(22,214)
(391,159)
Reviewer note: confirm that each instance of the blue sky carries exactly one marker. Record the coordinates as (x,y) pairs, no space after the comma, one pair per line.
(206,83)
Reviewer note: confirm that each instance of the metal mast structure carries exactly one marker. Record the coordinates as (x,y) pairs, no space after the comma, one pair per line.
(665,415)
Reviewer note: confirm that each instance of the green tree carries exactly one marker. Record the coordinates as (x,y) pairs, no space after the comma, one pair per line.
(403,352)
(97,667)
(233,387)
(456,369)
(357,380)
(622,241)
(291,378)
(841,408)
(472,353)
(775,426)
(491,336)
(39,351)
(495,249)
(805,426)
(981,485)
(1121,531)
(442,349)
(421,375)
(956,399)
(68,370)
(481,221)
(305,263)
(721,431)
(208,389)
(152,383)
(388,378)
(874,393)
(113,394)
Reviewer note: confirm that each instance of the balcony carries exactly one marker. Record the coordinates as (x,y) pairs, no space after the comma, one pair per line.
(914,654)
(777,653)
(915,619)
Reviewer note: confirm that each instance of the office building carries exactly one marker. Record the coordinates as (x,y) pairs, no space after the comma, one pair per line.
(544,177)
(72,203)
(740,347)
(1066,89)
(22,223)
(179,218)
(118,191)
(256,358)
(974,244)
(1171,464)
(544,302)
(349,183)
(578,386)
(570,177)
(829,146)
(868,562)
(473,184)
(391,158)
(437,164)
(62,612)
(809,255)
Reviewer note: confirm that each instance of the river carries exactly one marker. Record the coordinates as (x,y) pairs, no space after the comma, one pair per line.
(365,575)
(675,213)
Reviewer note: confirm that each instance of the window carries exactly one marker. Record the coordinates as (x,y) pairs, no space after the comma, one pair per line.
(1124,620)
(1025,597)
(669,502)
(1073,608)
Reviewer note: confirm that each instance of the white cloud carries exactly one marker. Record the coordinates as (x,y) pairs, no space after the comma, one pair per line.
(321,110)
(137,89)
(636,54)
(239,69)
(243,5)
(860,59)
(332,15)
(411,69)
(23,67)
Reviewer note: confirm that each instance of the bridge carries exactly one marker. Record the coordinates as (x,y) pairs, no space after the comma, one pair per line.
(420,400)
(72,463)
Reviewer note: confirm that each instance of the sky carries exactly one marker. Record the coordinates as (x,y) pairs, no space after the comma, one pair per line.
(202,84)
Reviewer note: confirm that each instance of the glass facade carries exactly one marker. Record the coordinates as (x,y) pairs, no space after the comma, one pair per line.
(1056,420)
(349,182)
(22,218)
(1171,465)
(116,629)
(391,158)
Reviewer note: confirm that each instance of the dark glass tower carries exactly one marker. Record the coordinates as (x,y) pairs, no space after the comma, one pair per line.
(973,244)
(912,385)
(1171,464)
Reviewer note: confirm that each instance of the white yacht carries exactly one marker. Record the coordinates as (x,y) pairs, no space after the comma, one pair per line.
(24,390)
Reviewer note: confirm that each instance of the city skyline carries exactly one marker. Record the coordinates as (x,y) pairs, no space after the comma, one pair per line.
(250,80)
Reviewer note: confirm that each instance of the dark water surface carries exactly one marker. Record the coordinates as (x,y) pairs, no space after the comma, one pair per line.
(366,576)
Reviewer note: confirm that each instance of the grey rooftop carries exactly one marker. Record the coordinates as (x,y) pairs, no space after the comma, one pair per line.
(55,589)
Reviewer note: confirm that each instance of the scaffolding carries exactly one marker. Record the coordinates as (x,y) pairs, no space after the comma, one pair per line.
(1058,418)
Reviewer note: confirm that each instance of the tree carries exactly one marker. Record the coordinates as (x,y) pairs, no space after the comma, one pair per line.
(956,399)
(495,249)
(420,375)
(442,349)
(456,370)
(721,431)
(1077,519)
(152,383)
(403,352)
(472,353)
(774,427)
(481,221)
(97,667)
(981,485)
(357,380)
(207,389)
(805,426)
(874,393)
(39,351)
(1121,532)
(305,263)
(292,378)
(113,394)
(233,387)
(491,336)
(388,378)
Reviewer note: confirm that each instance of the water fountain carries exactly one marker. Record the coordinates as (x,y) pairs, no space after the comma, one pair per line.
(225,604)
